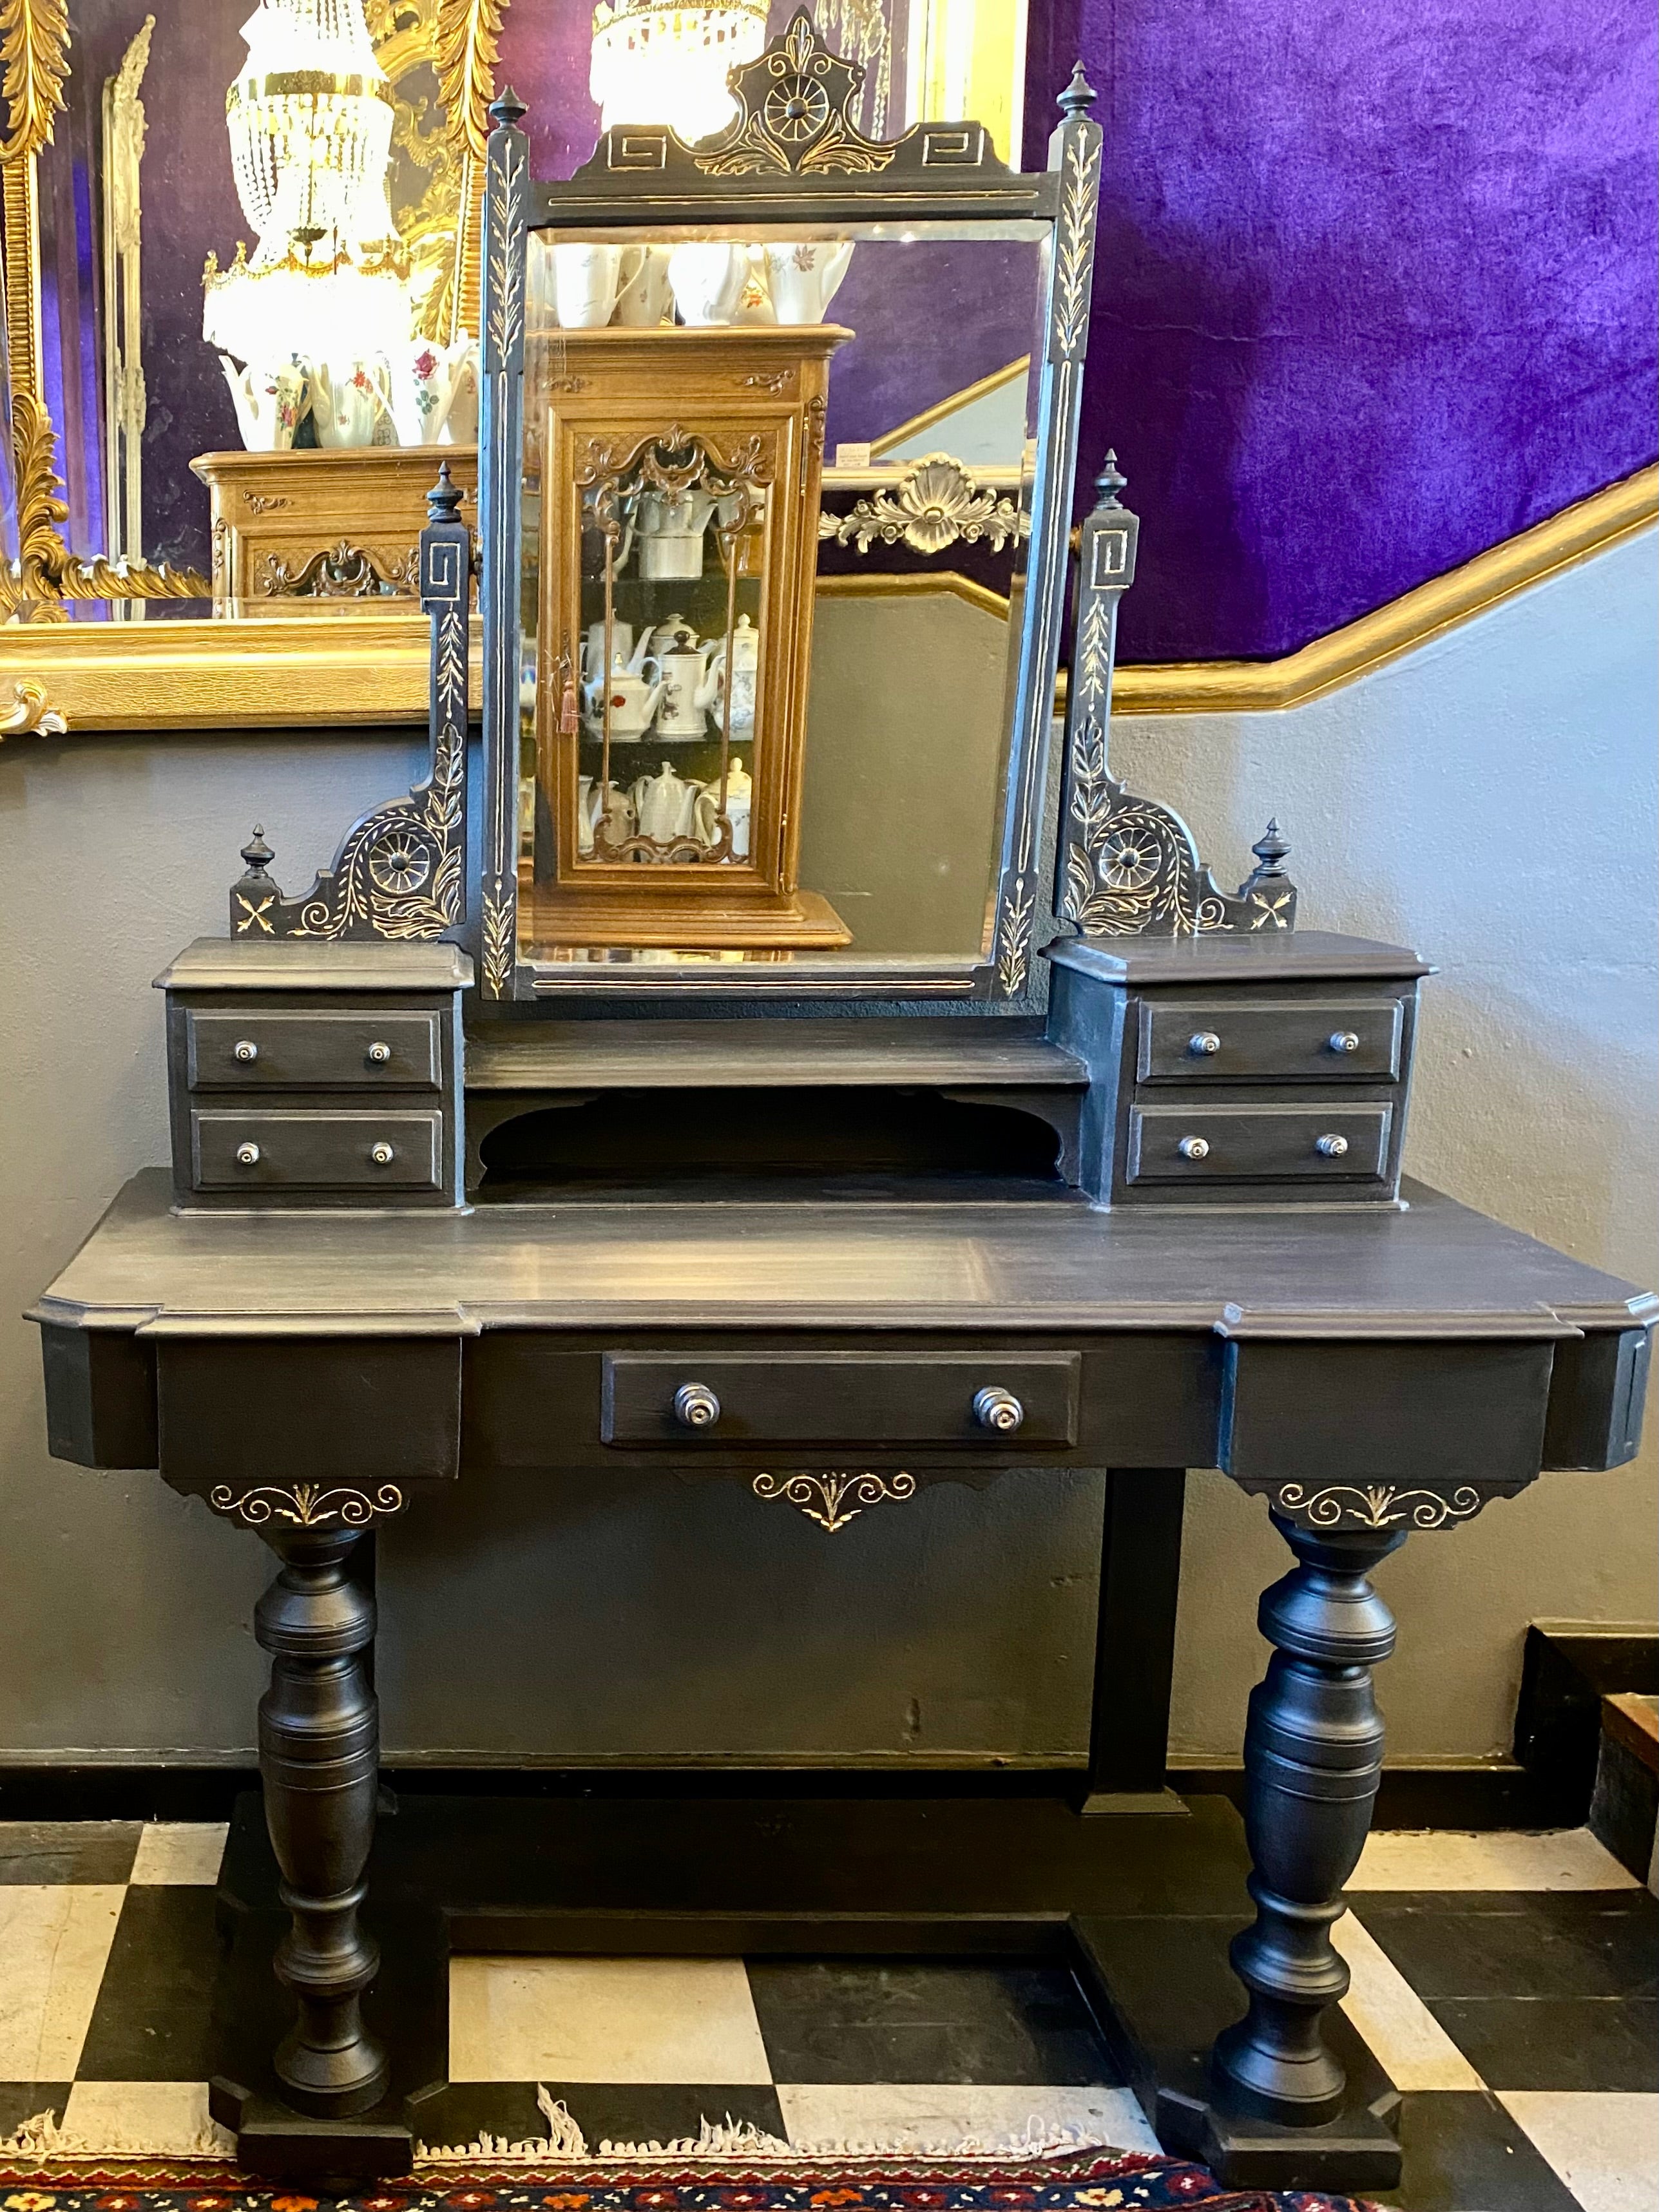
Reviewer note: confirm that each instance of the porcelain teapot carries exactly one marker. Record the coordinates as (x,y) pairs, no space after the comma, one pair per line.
(706,810)
(664,805)
(633,700)
(671,534)
(692,689)
(271,403)
(618,815)
(738,667)
(348,399)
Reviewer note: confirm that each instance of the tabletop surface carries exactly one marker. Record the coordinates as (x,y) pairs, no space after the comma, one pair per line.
(1438,1269)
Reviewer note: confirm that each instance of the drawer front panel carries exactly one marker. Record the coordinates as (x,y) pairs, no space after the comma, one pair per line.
(1318,1041)
(247,1148)
(327,1050)
(841,1398)
(1196,1144)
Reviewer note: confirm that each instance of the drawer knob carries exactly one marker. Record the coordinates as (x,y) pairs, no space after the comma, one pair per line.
(1204,1041)
(998,1410)
(248,1156)
(695,1406)
(381,1153)
(1343,1041)
(1194,1148)
(379,1054)
(1332,1147)
(245,1049)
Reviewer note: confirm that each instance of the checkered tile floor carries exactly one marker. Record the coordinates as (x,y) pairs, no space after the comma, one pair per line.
(1508,1984)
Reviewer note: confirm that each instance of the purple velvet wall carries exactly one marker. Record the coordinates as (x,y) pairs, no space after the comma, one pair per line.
(1376,285)
(1375,289)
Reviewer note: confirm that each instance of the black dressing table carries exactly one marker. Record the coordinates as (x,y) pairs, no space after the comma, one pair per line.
(1119,1188)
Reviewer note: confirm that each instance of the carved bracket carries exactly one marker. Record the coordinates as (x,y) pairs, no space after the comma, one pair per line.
(343,571)
(1129,867)
(400,873)
(833,1498)
(933,504)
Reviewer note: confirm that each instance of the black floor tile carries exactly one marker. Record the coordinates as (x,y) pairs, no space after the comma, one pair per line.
(606,2112)
(1464,2154)
(40,1851)
(151,2021)
(864,2021)
(1557,2043)
(22,2101)
(1537,1944)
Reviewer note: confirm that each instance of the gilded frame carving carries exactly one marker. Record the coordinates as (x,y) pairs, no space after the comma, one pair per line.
(208,673)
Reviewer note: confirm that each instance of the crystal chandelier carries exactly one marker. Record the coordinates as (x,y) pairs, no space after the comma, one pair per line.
(309,120)
(657,63)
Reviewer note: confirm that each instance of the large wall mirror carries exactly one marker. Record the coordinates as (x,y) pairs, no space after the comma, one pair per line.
(182,520)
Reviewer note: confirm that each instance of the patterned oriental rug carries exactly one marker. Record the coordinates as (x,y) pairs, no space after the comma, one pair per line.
(1075,2181)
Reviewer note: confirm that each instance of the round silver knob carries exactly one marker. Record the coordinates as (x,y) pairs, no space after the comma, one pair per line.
(245,1049)
(379,1054)
(248,1156)
(695,1406)
(1194,1148)
(998,1409)
(381,1153)
(1343,1041)
(1332,1147)
(1204,1042)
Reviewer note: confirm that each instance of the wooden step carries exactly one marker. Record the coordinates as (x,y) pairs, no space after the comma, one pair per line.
(1633,1721)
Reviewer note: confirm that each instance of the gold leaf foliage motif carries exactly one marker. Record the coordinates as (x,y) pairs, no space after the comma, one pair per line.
(795,114)
(34,38)
(1131,865)
(467,45)
(1375,1506)
(497,944)
(1074,246)
(504,320)
(832,1500)
(1013,950)
(307,1505)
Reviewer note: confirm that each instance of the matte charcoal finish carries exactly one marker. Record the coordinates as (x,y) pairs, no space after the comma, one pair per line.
(315,1075)
(1222,1040)
(835,1397)
(1226,1070)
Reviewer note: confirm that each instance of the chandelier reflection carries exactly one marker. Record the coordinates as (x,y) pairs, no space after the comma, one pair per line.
(654,64)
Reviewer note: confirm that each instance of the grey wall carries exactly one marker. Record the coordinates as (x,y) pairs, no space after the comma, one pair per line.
(1491,799)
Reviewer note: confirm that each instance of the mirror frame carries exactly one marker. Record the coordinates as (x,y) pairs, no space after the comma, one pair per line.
(645,176)
(188,673)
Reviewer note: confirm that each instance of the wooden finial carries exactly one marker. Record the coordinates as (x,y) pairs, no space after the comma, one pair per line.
(1271,850)
(506,108)
(1110,481)
(1078,96)
(256,853)
(443,501)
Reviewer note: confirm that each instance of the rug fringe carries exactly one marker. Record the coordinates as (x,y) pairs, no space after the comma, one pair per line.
(41,2136)
(726,2136)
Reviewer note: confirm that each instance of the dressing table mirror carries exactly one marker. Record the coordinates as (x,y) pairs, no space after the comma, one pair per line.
(775,1052)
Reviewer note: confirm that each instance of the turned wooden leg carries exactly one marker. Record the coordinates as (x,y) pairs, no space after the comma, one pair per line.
(1313,1757)
(319,1757)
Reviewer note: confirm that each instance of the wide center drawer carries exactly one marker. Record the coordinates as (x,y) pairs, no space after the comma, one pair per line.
(316,1050)
(990,1399)
(1314,1040)
(1195,1143)
(253,1148)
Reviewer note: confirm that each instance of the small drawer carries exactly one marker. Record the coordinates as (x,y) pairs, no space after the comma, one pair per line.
(1320,1041)
(255,1149)
(871,1399)
(318,1051)
(1197,1143)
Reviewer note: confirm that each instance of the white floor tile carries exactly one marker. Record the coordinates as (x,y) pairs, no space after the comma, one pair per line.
(604,2020)
(156,2119)
(1605,2147)
(1405,2037)
(1441,1858)
(948,2115)
(181,1851)
(54,1945)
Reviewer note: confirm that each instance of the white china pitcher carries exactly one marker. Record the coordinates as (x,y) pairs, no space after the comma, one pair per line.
(803,278)
(348,399)
(271,403)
